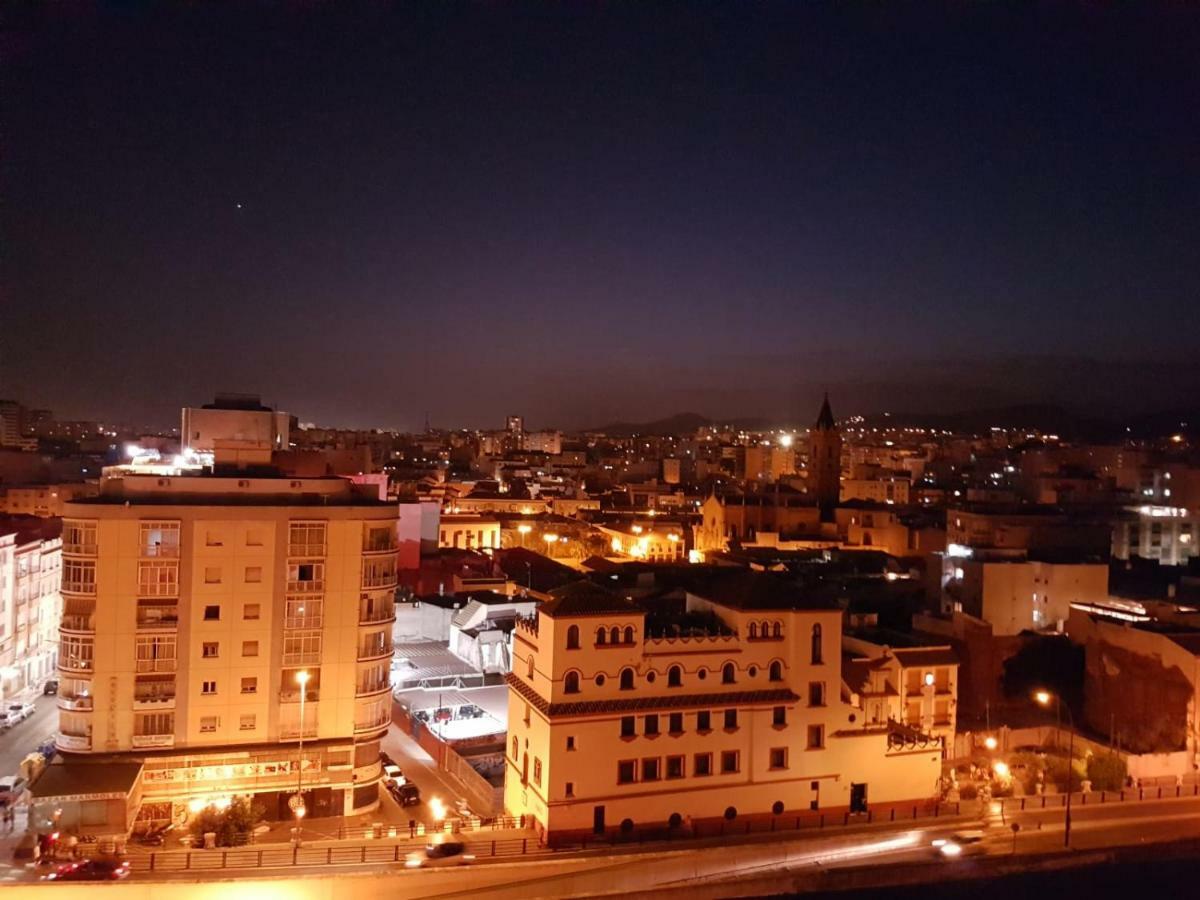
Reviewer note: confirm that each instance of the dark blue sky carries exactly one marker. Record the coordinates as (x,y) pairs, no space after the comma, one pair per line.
(592,211)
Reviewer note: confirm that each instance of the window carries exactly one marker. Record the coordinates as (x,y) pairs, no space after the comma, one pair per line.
(516,748)
(627,679)
(816,693)
(158,578)
(730,719)
(254,537)
(155,654)
(777,630)
(249,648)
(570,682)
(778,758)
(253,574)
(817,656)
(306,539)
(537,771)
(573,637)
(79,576)
(303,648)
(79,537)
(650,769)
(529,668)
(614,635)
(208,724)
(626,771)
(776,671)
(213,538)
(601,637)
(729,761)
(251,611)
(650,725)
(570,789)
(306,577)
(704,721)
(816,737)
(247,722)
(249,685)
(628,726)
(570,742)
(149,724)
(212,574)
(210,649)
(674,767)
(159,539)
(675,723)
(753,631)
(728,674)
(208,687)
(779,716)
(304,612)
(702,764)
(629,635)
(675,676)
(212,613)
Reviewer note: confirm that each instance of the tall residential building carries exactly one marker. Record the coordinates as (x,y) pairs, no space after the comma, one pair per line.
(825,461)
(620,719)
(30,603)
(193,600)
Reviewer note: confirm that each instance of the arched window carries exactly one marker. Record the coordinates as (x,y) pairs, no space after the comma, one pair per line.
(516,749)
(529,667)
(817,657)
(766,629)
(573,637)
(674,676)
(601,637)
(629,634)
(753,631)
(614,636)
(777,629)
(776,671)
(571,683)
(627,679)
(728,674)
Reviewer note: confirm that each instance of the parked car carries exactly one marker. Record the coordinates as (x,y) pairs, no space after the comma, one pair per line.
(12,788)
(91,870)
(407,794)
(21,711)
(50,688)
(441,853)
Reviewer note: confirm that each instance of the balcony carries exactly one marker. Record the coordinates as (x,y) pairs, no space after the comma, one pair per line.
(369,615)
(302,658)
(379,581)
(152,741)
(74,665)
(75,704)
(372,689)
(306,549)
(87,548)
(73,742)
(153,702)
(154,665)
(372,651)
(81,624)
(157,617)
(290,731)
(86,588)
(375,724)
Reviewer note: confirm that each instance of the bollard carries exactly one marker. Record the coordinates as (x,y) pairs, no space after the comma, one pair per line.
(328,856)
(524,844)
(364,853)
(822,822)
(151,862)
(893,814)
(914,815)
(493,848)
(187,860)
(224,858)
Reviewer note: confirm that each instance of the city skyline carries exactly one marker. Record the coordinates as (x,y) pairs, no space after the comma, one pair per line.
(592,215)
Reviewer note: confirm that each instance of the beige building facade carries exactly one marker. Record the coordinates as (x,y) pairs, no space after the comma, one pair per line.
(620,720)
(191,604)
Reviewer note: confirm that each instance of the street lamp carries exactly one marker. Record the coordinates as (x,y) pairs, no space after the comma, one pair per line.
(297,802)
(524,530)
(1043,698)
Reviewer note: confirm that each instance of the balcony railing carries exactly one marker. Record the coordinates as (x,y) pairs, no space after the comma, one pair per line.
(302,658)
(79,587)
(75,664)
(306,550)
(291,730)
(367,616)
(375,650)
(75,704)
(315,586)
(78,623)
(84,549)
(374,687)
(379,580)
(158,616)
(155,665)
(70,742)
(292,695)
(302,622)
(147,741)
(372,724)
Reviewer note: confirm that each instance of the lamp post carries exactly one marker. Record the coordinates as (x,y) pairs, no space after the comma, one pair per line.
(524,530)
(297,802)
(1043,698)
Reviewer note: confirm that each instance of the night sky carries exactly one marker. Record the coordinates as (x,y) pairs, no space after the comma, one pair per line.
(588,212)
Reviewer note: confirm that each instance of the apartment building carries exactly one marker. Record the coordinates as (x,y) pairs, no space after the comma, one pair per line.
(30,602)
(196,604)
(621,718)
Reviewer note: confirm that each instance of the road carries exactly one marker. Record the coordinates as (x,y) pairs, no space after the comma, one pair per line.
(23,739)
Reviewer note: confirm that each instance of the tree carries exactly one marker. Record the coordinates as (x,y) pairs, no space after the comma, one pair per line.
(1107,772)
(231,825)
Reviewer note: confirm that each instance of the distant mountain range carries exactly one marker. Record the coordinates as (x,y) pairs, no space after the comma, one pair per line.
(1042,417)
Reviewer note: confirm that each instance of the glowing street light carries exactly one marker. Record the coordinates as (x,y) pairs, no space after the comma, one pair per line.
(990,742)
(1043,698)
(297,802)
(1001,769)
(437,809)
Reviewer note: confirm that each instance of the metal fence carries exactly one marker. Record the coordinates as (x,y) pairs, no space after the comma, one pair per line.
(1090,798)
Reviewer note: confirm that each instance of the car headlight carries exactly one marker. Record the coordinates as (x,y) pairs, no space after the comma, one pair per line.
(951,849)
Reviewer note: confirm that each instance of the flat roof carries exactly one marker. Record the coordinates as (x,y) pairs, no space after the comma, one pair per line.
(78,777)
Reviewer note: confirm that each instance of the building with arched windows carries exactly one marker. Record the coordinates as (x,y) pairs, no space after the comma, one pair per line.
(624,717)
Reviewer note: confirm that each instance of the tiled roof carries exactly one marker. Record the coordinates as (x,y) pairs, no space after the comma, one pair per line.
(760,590)
(648,704)
(585,598)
